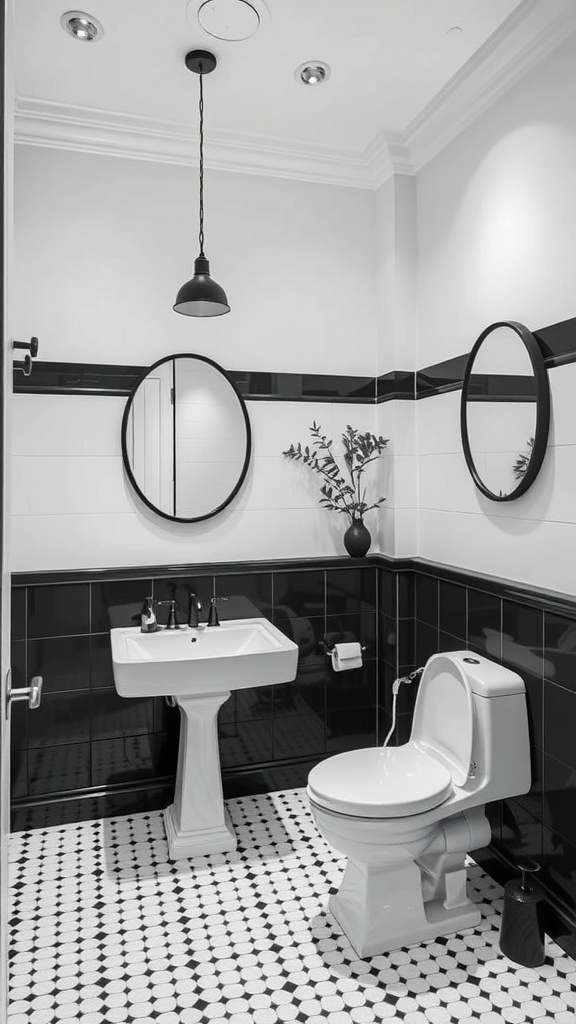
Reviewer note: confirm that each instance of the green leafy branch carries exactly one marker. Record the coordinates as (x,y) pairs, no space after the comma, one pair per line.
(342,490)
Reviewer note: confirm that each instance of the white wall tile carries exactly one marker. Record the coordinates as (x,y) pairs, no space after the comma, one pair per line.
(526,550)
(140,538)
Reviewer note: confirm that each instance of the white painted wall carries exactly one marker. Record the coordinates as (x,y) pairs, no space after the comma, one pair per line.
(102,245)
(496,229)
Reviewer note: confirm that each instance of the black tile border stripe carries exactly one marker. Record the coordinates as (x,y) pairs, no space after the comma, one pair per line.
(558,343)
(511,590)
(106,379)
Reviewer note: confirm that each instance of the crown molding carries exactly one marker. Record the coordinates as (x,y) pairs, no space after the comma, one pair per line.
(527,36)
(533,30)
(87,130)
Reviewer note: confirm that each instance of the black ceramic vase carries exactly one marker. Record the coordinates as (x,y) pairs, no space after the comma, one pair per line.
(357,539)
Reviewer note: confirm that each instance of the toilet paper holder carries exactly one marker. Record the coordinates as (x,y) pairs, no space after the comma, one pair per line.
(328,644)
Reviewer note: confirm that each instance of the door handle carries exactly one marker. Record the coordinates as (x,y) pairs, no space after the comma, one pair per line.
(31,693)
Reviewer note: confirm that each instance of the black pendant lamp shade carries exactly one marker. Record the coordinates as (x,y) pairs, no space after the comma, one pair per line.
(201,296)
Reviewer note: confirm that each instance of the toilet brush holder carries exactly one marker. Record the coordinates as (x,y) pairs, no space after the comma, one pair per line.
(521,930)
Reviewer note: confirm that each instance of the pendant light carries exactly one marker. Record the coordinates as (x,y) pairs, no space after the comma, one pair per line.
(201,296)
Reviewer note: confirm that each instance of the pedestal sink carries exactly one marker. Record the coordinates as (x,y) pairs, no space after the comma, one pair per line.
(199,667)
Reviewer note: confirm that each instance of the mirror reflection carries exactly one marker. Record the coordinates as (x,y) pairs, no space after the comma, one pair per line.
(501,411)
(186,438)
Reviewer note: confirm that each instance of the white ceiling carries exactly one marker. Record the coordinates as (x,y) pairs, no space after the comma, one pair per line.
(389,59)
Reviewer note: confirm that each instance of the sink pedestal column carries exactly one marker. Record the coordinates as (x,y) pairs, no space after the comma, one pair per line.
(197,822)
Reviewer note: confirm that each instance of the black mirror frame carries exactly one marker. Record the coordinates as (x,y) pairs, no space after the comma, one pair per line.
(542,410)
(125,460)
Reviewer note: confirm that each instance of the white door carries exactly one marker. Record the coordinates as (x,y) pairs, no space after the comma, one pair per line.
(5,391)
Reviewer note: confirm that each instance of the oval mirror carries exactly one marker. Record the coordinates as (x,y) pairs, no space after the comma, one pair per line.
(186,438)
(505,410)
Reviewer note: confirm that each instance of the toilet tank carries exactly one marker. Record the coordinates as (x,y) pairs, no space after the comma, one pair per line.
(471,713)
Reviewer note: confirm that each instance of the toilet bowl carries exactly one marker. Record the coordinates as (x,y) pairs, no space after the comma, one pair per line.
(405,817)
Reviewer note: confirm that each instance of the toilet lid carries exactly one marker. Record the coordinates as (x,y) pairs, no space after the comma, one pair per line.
(380,782)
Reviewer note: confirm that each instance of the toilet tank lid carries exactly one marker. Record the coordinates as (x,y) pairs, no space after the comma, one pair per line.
(486,678)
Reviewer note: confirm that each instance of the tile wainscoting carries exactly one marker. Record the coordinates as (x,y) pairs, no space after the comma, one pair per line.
(88,753)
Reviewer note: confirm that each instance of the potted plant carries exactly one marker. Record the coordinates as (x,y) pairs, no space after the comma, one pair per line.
(343,490)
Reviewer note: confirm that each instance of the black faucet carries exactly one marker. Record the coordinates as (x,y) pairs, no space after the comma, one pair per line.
(213,619)
(194,607)
(172,622)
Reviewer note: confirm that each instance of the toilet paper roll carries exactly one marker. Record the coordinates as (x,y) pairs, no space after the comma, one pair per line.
(346,657)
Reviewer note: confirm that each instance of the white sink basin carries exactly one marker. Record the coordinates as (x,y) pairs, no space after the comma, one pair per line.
(208,659)
(199,667)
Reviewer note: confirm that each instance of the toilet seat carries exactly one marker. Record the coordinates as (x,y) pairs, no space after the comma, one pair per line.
(380,782)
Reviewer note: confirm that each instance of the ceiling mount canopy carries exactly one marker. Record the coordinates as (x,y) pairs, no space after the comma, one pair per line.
(201,296)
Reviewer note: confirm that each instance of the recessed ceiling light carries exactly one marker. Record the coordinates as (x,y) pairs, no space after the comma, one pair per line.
(314,72)
(82,26)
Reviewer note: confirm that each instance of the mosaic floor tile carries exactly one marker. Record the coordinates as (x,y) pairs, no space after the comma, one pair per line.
(106,930)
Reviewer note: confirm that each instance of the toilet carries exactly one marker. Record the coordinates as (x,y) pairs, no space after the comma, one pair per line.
(405,817)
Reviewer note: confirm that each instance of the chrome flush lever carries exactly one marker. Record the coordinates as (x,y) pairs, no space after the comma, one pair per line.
(32,693)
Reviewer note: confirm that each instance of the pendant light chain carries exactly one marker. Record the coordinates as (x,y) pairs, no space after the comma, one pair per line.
(201,108)
(201,296)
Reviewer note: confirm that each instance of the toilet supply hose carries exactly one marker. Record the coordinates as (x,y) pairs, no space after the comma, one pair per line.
(395,689)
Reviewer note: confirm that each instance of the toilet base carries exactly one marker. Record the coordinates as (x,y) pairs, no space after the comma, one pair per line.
(382,908)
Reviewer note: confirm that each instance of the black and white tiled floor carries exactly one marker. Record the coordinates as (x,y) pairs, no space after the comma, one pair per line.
(106,930)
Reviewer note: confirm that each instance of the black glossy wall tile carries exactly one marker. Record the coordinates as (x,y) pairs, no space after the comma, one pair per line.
(447,642)
(18,664)
(350,729)
(62,718)
(406,582)
(535,706)
(55,769)
(359,628)
(101,668)
(18,613)
(305,695)
(299,594)
(559,801)
(357,688)
(63,663)
(19,773)
(305,631)
(349,591)
(126,759)
(179,588)
(298,736)
(118,603)
(58,610)
(426,591)
(493,812)
(387,641)
(250,705)
(532,801)
(244,743)
(387,603)
(247,596)
(559,868)
(452,615)
(113,717)
(559,719)
(521,832)
(19,725)
(426,641)
(485,624)
(522,638)
(560,650)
